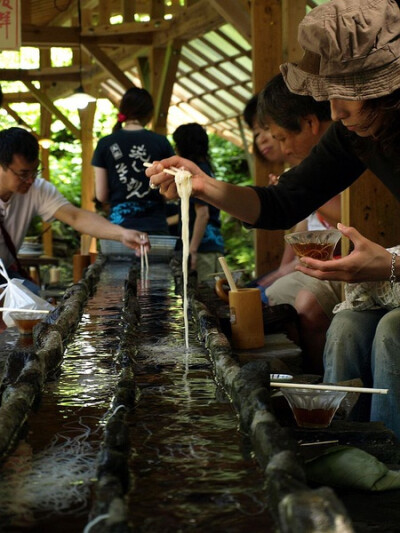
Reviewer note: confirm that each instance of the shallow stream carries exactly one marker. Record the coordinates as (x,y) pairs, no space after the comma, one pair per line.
(191,468)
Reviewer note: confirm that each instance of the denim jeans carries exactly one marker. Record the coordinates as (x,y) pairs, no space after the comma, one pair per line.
(366,345)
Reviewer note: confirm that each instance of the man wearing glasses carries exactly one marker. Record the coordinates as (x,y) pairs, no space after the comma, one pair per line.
(22,197)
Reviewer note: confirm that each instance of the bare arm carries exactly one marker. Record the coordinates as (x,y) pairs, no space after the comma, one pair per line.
(241,202)
(101,184)
(98,226)
(200,224)
(331,210)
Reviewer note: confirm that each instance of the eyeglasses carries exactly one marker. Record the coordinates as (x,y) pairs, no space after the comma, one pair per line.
(27,174)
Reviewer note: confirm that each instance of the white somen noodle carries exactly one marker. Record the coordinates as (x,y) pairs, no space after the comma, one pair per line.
(183,180)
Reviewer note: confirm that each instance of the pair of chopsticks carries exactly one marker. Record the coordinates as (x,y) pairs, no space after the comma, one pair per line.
(144,261)
(171,170)
(327,387)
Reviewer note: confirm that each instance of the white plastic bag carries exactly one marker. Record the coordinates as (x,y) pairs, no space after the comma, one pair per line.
(17,296)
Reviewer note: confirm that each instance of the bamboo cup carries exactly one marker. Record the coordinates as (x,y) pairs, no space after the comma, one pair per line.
(80,262)
(85,244)
(245,309)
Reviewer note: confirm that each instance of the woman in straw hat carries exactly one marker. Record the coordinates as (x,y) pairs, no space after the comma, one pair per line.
(351,58)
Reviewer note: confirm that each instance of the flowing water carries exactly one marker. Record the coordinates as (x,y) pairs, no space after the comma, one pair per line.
(191,468)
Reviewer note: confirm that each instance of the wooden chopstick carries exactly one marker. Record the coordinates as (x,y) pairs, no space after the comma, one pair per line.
(327,387)
(167,170)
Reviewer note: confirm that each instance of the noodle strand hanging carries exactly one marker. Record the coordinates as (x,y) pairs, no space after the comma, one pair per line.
(183,180)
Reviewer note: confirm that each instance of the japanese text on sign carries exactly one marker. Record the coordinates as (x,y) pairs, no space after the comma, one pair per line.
(10,24)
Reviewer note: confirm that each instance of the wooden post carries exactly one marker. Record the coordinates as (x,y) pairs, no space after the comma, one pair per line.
(45,132)
(373,210)
(274,38)
(266,31)
(87,117)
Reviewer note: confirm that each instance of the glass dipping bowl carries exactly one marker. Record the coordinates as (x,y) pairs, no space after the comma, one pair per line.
(318,244)
(25,322)
(313,408)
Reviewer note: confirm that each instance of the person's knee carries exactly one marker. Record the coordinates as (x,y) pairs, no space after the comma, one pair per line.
(309,309)
(388,327)
(342,327)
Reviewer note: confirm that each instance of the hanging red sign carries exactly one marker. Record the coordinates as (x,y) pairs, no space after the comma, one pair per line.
(10,24)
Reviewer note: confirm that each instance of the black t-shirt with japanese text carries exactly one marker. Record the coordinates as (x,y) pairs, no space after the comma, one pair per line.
(132,203)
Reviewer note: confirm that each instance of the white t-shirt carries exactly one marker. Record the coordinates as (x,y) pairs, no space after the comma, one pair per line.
(314,223)
(42,199)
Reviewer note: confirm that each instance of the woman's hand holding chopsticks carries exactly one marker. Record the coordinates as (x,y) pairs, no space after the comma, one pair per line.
(162,175)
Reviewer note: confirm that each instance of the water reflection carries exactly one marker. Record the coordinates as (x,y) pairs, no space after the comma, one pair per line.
(187,460)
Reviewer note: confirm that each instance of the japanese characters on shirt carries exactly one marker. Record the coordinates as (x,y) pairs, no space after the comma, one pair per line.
(128,174)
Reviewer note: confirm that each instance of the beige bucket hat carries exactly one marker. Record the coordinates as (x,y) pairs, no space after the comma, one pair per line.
(351,51)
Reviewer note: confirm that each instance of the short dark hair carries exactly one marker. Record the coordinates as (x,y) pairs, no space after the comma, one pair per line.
(191,142)
(250,111)
(17,141)
(136,104)
(285,108)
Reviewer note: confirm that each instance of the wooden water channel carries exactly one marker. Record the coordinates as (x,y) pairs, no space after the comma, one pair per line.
(107,422)
(162,447)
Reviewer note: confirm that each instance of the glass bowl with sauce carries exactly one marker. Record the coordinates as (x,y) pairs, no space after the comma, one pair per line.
(313,408)
(25,322)
(317,244)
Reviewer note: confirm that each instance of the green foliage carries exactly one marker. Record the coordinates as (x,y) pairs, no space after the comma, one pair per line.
(230,164)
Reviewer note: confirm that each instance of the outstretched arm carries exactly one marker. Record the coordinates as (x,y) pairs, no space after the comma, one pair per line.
(93,224)
(241,202)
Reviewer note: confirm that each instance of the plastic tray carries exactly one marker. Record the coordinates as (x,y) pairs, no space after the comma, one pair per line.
(162,247)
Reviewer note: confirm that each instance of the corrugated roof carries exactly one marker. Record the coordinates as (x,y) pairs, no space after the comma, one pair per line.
(213,79)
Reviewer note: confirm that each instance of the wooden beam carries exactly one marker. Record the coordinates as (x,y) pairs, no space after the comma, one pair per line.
(143,68)
(128,10)
(372,209)
(48,104)
(20,121)
(292,14)
(196,20)
(158,58)
(26,13)
(47,74)
(104,12)
(164,85)
(266,19)
(108,65)
(87,178)
(157,10)
(234,13)
(45,132)
(126,28)
(48,36)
